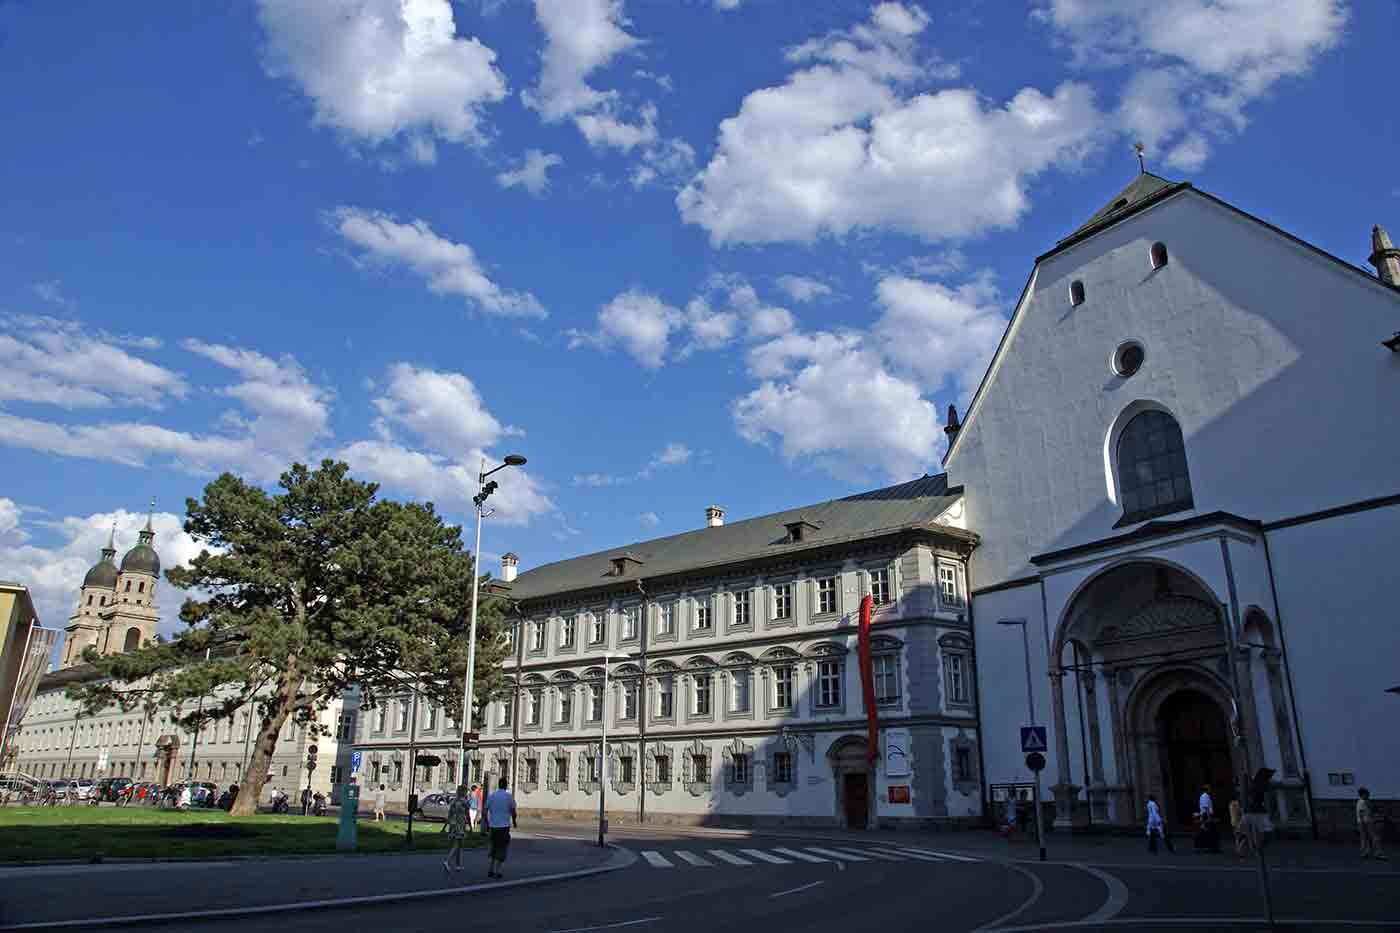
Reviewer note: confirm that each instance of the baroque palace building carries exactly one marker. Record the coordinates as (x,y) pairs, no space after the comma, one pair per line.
(118,610)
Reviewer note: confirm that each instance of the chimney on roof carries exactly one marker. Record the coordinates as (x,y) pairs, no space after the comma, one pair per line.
(954,425)
(510,565)
(1385,257)
(714,517)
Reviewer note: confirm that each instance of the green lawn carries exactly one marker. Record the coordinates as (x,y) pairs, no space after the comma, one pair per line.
(36,833)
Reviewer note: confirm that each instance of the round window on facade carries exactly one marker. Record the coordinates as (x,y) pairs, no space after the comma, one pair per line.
(1128,359)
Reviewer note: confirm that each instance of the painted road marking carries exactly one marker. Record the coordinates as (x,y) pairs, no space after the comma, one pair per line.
(843,856)
(657,860)
(611,926)
(766,857)
(693,859)
(947,855)
(729,857)
(802,856)
(903,854)
(795,890)
(884,856)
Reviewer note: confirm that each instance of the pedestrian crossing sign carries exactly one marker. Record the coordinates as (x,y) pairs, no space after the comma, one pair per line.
(1033,739)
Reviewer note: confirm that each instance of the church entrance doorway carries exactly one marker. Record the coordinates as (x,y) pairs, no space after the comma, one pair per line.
(1196,753)
(856,790)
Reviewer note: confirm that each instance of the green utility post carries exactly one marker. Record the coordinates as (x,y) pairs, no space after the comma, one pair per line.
(345,839)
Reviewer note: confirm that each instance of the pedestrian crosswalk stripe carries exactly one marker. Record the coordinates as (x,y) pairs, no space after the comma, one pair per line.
(657,860)
(765,856)
(693,859)
(904,854)
(801,856)
(843,856)
(884,856)
(947,855)
(729,857)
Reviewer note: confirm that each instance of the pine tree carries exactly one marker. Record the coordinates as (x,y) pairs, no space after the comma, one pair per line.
(299,595)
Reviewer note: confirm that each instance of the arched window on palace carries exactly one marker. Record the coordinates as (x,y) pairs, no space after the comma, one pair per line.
(1152,476)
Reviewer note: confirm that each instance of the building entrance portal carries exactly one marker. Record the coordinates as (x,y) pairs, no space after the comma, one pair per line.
(851,769)
(1192,731)
(856,790)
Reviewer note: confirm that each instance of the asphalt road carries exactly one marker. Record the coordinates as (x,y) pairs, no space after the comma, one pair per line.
(693,882)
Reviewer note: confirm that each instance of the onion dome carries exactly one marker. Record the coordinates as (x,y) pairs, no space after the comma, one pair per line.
(104,572)
(143,558)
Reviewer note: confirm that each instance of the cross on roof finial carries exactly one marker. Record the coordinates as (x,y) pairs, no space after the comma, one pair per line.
(151,516)
(1139,148)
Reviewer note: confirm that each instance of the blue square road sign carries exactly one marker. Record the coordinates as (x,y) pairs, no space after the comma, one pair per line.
(1033,739)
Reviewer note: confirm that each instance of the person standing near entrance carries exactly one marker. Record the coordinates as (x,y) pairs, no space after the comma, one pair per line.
(1155,828)
(500,817)
(1208,834)
(379,796)
(1366,824)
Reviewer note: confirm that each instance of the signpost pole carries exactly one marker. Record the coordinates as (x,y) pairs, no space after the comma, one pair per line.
(413,766)
(1030,702)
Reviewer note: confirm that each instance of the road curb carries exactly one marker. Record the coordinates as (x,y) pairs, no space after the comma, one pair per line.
(621,858)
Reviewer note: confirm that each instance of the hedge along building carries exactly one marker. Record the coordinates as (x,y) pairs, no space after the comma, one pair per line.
(740,697)
(1182,465)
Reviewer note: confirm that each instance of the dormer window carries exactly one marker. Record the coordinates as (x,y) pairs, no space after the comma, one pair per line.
(623,564)
(799,530)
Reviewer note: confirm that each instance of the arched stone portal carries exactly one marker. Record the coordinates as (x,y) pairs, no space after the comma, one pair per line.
(133,639)
(854,780)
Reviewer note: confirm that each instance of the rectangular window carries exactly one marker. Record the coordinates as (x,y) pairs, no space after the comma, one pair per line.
(630,619)
(595,702)
(430,717)
(782,601)
(962,764)
(629,700)
(598,629)
(829,683)
(701,763)
(743,608)
(532,708)
(880,587)
(537,636)
(741,769)
(948,584)
(532,770)
(957,679)
(703,684)
(566,633)
(566,706)
(624,766)
(663,769)
(702,616)
(507,711)
(561,770)
(782,687)
(398,772)
(403,714)
(451,767)
(379,717)
(666,620)
(665,698)
(741,698)
(593,769)
(884,667)
(826,595)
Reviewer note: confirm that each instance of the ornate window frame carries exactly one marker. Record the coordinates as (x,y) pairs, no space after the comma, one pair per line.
(654,784)
(730,601)
(733,749)
(772,619)
(696,668)
(971,783)
(892,590)
(662,672)
(586,783)
(958,601)
(779,657)
(616,752)
(956,644)
(887,646)
(784,743)
(625,612)
(814,581)
(673,634)
(560,754)
(539,635)
(564,685)
(697,785)
(534,686)
(705,599)
(598,621)
(815,655)
(627,675)
(737,664)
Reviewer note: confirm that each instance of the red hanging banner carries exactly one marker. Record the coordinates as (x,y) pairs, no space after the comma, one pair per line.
(867,682)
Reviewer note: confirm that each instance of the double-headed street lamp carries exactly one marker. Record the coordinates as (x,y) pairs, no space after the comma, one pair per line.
(608,658)
(484,490)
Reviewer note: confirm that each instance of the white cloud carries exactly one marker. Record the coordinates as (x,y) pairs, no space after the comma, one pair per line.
(290,412)
(727,4)
(55,574)
(649,519)
(673,454)
(52,292)
(944,336)
(533,173)
(842,408)
(449,268)
(802,288)
(444,409)
(641,322)
(53,362)
(1197,63)
(581,36)
(842,146)
(379,70)
(603,130)
(9,522)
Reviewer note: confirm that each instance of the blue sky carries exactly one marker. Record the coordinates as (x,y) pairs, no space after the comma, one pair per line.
(676,252)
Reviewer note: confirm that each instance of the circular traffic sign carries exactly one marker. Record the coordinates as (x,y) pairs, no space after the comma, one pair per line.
(1035,761)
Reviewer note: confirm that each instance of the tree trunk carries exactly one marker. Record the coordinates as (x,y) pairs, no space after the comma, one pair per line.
(255,778)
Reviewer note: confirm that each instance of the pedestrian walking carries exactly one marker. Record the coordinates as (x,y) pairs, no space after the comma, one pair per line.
(1156,829)
(1367,823)
(500,817)
(457,827)
(474,806)
(379,804)
(1240,830)
(1207,832)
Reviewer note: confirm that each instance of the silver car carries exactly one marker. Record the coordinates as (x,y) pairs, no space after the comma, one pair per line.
(434,806)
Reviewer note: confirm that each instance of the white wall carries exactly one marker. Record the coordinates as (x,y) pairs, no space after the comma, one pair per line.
(1001,680)
(1266,353)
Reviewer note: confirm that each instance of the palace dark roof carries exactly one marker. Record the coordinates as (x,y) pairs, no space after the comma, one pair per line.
(915,504)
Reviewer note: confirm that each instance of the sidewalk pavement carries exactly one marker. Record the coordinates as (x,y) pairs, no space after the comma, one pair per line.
(86,894)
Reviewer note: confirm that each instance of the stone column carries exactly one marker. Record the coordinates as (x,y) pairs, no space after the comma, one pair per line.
(1121,751)
(1065,792)
(1091,713)
(1273,664)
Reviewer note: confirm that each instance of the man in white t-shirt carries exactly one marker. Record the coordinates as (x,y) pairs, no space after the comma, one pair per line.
(500,817)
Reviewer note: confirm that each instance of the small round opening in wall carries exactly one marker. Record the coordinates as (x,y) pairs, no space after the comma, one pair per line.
(1128,358)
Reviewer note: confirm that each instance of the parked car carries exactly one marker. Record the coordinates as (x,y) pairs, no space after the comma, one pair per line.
(434,806)
(85,786)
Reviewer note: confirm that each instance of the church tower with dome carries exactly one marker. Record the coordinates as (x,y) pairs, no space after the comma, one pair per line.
(117,608)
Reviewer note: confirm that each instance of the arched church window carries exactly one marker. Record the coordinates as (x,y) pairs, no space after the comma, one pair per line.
(133,639)
(128,587)
(1152,476)
(141,586)
(1076,292)
(1159,255)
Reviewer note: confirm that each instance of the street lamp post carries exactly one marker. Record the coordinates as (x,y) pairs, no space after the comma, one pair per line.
(603,752)
(483,491)
(1030,703)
